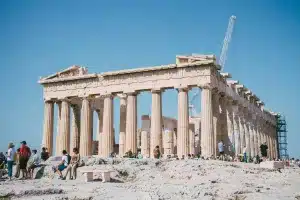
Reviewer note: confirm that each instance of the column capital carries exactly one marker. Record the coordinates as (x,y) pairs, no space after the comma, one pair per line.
(107,96)
(157,90)
(122,96)
(207,86)
(182,88)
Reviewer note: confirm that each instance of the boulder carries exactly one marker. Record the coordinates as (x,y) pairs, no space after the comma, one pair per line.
(272,164)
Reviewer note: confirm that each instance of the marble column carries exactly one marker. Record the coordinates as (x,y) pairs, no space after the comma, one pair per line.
(182,123)
(65,125)
(75,126)
(156,122)
(107,136)
(131,123)
(223,121)
(207,131)
(247,131)
(251,131)
(216,122)
(100,130)
(85,129)
(258,132)
(255,144)
(168,143)
(122,138)
(58,134)
(241,121)
(230,128)
(48,126)
(145,144)
(236,129)
(191,142)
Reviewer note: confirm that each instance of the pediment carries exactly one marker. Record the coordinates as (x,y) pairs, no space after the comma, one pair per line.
(69,72)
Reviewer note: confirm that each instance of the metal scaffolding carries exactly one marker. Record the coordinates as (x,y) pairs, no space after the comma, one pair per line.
(282,137)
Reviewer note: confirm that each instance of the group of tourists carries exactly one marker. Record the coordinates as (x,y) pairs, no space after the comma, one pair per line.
(25,159)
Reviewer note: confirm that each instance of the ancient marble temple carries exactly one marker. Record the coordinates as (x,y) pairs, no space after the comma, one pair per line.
(229,110)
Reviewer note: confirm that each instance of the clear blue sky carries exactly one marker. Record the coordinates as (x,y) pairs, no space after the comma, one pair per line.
(38,38)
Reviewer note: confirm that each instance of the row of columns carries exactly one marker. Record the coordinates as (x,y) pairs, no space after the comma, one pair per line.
(221,119)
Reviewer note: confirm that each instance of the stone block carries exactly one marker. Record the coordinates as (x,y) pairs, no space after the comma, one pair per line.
(272,165)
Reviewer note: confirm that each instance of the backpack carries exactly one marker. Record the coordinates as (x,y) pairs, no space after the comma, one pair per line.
(69,159)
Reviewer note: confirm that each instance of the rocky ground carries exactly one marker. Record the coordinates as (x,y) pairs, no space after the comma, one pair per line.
(161,179)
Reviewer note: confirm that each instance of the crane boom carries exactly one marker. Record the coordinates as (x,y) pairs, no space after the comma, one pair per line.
(226,41)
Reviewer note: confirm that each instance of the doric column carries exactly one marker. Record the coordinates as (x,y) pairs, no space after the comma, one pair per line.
(191,142)
(223,121)
(65,125)
(241,120)
(168,143)
(122,137)
(236,129)
(107,136)
(75,126)
(58,134)
(229,139)
(255,144)
(131,123)
(182,123)
(85,128)
(48,126)
(216,121)
(251,131)
(100,130)
(207,131)
(258,132)
(247,131)
(156,122)
(145,144)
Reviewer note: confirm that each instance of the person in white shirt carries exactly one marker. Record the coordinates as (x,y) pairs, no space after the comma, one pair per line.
(65,160)
(10,159)
(33,162)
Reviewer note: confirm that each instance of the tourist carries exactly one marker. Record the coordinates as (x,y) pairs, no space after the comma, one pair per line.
(140,156)
(221,149)
(245,154)
(156,152)
(3,160)
(263,150)
(25,154)
(33,163)
(74,163)
(65,160)
(44,154)
(17,161)
(10,159)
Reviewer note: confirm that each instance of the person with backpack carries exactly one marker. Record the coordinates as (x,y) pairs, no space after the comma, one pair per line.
(25,154)
(10,159)
(65,160)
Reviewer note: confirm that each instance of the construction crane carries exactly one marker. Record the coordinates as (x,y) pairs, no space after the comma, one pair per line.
(221,62)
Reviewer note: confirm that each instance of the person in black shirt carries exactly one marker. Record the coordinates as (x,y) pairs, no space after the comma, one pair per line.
(44,154)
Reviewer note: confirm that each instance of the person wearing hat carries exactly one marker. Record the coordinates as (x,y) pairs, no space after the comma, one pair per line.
(10,158)
(25,154)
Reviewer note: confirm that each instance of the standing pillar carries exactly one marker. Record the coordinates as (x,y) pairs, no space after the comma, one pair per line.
(107,135)
(122,138)
(131,123)
(191,142)
(247,132)
(48,126)
(65,125)
(223,121)
(58,134)
(216,122)
(255,144)
(251,131)
(236,128)
(258,132)
(229,142)
(156,122)
(145,144)
(100,131)
(168,143)
(75,126)
(241,121)
(207,132)
(85,129)
(182,123)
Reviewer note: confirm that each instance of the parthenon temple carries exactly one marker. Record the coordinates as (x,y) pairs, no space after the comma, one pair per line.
(229,111)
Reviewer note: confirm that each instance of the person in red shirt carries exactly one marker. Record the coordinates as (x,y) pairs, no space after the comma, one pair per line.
(25,154)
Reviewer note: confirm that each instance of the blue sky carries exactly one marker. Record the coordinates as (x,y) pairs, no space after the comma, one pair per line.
(38,38)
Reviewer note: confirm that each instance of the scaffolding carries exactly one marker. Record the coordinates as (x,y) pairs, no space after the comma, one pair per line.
(281,137)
